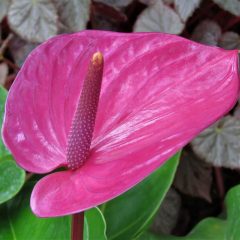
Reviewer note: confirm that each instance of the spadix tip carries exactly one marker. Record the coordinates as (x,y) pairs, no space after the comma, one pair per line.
(97,58)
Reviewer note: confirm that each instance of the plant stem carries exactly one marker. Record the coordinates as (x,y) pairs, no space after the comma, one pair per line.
(220,183)
(28,176)
(5,43)
(77,226)
(10,64)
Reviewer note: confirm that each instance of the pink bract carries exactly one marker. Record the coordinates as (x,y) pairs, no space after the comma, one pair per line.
(158,92)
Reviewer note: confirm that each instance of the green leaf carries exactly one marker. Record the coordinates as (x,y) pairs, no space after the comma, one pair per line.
(233,211)
(11,180)
(213,228)
(3,96)
(94,225)
(11,176)
(149,236)
(208,229)
(130,214)
(18,222)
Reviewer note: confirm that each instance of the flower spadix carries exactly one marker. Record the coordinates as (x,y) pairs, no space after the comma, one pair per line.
(80,135)
(158,91)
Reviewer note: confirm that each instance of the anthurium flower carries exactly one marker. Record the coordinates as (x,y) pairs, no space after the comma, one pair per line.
(158,91)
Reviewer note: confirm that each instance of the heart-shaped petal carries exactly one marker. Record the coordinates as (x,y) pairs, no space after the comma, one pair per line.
(158,92)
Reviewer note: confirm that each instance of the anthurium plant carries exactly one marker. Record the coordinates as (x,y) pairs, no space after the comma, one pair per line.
(109,109)
(127,134)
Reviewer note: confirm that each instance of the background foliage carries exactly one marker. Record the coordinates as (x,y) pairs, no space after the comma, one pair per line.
(191,192)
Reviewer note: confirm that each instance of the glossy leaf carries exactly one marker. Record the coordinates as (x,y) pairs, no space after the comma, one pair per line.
(220,144)
(35,21)
(11,176)
(149,118)
(207,32)
(19,223)
(208,229)
(73,14)
(94,225)
(185,8)
(233,212)
(213,228)
(3,96)
(11,179)
(130,214)
(159,17)
(230,40)
(233,6)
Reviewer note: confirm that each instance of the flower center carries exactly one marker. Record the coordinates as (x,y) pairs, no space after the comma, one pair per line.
(81,131)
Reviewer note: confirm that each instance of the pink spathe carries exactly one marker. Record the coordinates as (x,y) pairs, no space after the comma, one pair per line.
(158,92)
